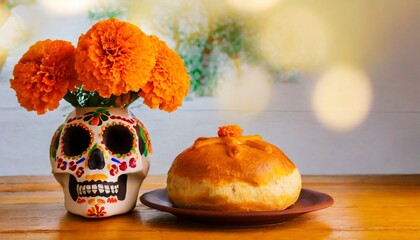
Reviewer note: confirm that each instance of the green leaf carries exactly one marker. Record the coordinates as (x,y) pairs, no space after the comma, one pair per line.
(143,136)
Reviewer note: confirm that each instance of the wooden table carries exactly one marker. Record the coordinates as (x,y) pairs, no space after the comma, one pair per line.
(366,207)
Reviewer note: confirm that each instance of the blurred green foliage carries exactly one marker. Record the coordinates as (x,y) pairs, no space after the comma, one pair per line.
(207,51)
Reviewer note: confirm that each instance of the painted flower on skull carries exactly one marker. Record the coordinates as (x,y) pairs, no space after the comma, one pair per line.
(96,211)
(97,117)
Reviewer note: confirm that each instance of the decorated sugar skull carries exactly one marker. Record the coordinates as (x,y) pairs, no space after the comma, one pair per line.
(100,156)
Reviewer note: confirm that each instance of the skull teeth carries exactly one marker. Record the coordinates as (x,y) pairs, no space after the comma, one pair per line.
(91,189)
(98,188)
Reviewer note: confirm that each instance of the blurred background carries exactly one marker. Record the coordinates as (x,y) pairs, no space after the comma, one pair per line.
(334,84)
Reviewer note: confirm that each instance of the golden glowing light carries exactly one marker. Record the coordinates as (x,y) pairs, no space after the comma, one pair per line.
(67,7)
(252,6)
(3,56)
(4,14)
(294,37)
(342,98)
(12,33)
(247,90)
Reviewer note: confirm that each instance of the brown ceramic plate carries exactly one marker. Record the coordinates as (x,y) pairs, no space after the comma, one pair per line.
(308,201)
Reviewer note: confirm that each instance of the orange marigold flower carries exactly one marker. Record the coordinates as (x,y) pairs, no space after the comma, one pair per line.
(169,83)
(114,57)
(230,131)
(44,74)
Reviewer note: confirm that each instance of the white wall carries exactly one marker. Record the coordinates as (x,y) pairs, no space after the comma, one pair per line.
(386,142)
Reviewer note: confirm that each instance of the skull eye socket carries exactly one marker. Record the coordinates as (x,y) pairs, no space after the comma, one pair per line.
(76,140)
(118,139)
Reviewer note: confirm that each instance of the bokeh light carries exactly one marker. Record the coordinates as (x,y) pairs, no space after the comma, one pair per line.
(67,7)
(245,90)
(3,56)
(294,37)
(12,33)
(252,6)
(4,14)
(342,98)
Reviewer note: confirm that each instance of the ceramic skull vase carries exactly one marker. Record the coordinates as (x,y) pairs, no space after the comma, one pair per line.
(100,156)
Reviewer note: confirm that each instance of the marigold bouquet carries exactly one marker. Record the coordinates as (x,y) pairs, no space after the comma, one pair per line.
(113,64)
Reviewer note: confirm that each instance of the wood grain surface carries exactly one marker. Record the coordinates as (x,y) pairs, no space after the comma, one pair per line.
(366,207)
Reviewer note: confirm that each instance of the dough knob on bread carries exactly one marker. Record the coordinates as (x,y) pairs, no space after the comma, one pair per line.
(233,173)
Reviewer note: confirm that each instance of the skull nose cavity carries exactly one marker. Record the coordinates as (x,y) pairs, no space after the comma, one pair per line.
(96,160)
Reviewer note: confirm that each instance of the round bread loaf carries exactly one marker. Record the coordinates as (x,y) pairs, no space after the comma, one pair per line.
(233,173)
